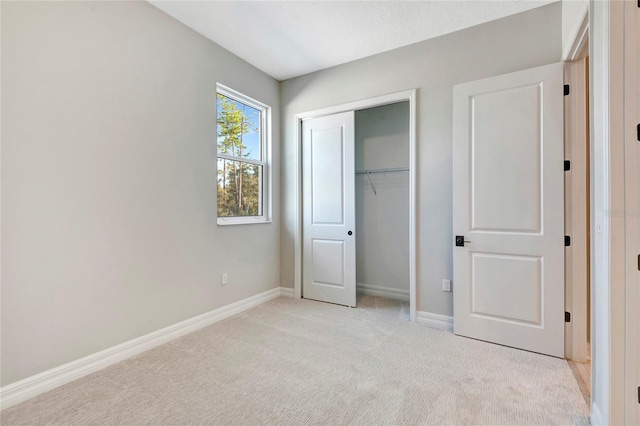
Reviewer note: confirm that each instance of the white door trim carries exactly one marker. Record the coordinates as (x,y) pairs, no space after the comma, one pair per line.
(607,90)
(600,174)
(580,39)
(408,95)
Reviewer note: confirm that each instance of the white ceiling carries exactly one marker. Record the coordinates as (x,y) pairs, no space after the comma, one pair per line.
(289,38)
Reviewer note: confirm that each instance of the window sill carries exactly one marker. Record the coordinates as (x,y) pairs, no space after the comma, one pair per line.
(250,220)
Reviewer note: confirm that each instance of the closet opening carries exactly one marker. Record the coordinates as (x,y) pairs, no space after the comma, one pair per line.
(355,239)
(382,165)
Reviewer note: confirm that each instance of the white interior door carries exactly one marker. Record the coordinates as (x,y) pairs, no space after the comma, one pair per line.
(508,205)
(328,176)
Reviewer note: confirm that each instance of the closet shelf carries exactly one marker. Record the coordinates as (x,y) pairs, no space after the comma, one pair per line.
(393,169)
(370,171)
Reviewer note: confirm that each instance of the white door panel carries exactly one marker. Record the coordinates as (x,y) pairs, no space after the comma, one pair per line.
(506,194)
(329,209)
(327,182)
(508,202)
(490,289)
(328,262)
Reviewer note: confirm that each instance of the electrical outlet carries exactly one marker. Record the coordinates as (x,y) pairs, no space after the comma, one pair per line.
(446,285)
(225,279)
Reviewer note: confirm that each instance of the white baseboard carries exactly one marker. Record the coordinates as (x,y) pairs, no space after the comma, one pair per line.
(286,292)
(596,416)
(441,322)
(25,389)
(386,292)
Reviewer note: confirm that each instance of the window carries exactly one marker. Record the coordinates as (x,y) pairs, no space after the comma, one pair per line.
(243,158)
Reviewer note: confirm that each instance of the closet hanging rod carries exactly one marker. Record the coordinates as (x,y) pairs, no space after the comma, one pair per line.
(393,169)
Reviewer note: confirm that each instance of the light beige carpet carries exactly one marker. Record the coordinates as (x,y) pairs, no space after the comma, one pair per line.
(302,362)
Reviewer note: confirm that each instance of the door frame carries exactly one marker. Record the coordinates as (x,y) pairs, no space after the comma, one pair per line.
(614,351)
(407,95)
(576,222)
(632,211)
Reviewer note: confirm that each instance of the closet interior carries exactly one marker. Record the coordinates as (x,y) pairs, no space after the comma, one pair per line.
(382,201)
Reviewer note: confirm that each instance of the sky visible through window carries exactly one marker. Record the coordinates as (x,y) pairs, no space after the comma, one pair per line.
(251,139)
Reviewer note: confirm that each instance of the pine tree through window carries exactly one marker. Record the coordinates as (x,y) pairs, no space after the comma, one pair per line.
(242,158)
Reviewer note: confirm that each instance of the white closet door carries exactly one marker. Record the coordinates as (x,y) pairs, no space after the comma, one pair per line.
(508,202)
(329,267)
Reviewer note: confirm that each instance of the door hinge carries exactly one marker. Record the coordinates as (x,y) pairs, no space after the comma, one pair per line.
(639,262)
(567,165)
(638,126)
(567,88)
(567,317)
(567,240)
(638,386)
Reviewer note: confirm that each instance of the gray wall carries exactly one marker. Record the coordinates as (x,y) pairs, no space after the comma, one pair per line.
(514,43)
(382,218)
(108,180)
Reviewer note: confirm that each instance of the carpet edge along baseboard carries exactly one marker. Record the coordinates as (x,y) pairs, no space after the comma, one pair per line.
(22,390)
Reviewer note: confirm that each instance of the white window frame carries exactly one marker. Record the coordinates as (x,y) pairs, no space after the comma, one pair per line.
(265,162)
